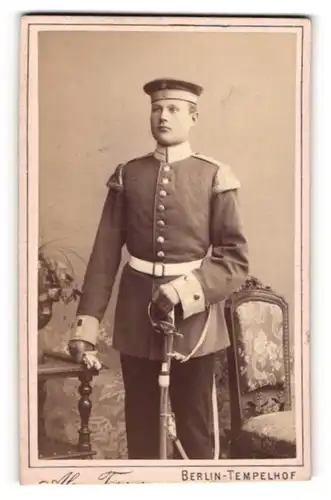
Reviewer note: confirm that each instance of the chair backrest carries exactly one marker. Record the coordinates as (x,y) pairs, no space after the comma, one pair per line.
(258,358)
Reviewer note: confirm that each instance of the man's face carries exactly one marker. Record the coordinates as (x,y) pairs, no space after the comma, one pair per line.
(171,121)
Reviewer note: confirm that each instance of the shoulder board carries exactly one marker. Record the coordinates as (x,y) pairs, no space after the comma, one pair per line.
(115,181)
(208,159)
(224,180)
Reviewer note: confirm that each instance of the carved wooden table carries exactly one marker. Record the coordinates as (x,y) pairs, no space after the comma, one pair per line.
(52,449)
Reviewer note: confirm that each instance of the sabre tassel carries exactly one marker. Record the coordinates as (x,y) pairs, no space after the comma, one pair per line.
(167,422)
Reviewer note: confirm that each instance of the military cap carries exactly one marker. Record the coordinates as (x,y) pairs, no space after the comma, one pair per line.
(171,88)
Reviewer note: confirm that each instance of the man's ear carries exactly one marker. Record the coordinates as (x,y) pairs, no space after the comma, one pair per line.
(195,117)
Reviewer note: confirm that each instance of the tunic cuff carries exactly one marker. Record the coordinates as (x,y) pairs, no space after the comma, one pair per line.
(191,294)
(87,329)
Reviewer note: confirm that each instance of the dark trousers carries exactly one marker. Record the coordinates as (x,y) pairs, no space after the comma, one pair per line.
(191,386)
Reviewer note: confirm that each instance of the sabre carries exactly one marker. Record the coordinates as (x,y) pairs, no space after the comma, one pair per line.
(167,423)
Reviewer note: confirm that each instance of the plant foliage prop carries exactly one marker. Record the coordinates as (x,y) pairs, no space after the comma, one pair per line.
(56,281)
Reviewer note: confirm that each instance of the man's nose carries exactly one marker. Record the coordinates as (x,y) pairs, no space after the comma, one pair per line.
(164,115)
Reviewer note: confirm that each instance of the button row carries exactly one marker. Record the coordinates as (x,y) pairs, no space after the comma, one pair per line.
(161,208)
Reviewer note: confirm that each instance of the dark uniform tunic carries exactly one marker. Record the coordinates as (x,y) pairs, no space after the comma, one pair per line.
(167,210)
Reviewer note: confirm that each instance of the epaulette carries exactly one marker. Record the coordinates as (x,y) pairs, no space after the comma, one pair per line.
(224,180)
(115,181)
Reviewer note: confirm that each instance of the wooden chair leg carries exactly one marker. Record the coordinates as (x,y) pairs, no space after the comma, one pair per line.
(85,407)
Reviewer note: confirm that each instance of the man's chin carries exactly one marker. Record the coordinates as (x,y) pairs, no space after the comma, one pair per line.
(166,141)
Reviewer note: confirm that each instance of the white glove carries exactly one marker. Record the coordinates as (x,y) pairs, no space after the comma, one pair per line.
(91,360)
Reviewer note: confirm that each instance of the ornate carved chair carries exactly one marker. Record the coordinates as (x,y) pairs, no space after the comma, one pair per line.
(262,423)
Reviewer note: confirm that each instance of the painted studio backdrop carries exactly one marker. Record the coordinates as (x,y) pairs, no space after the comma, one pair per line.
(93,114)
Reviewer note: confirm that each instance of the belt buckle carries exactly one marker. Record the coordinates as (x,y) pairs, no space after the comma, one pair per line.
(155,273)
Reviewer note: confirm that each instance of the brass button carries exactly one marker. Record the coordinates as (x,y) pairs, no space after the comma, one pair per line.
(163,193)
(161,207)
(196,297)
(160,239)
(160,254)
(166,168)
(160,223)
(165,181)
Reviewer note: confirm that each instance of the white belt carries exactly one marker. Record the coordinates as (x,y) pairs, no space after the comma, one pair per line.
(160,269)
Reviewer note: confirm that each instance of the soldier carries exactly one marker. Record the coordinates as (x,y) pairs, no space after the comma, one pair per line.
(177,213)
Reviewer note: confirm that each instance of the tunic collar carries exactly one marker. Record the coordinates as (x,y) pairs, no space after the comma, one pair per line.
(173,153)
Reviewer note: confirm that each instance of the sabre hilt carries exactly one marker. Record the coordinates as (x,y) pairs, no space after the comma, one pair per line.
(165,325)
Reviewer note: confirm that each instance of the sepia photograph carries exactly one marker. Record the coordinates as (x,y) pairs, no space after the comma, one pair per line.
(164,179)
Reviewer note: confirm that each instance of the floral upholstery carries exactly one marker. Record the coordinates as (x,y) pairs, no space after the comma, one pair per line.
(268,435)
(263,425)
(260,348)
(268,432)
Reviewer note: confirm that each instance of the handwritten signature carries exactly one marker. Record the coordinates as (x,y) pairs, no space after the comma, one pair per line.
(72,477)
(106,477)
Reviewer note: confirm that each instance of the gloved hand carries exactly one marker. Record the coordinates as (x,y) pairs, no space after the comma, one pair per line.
(164,299)
(157,315)
(81,352)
